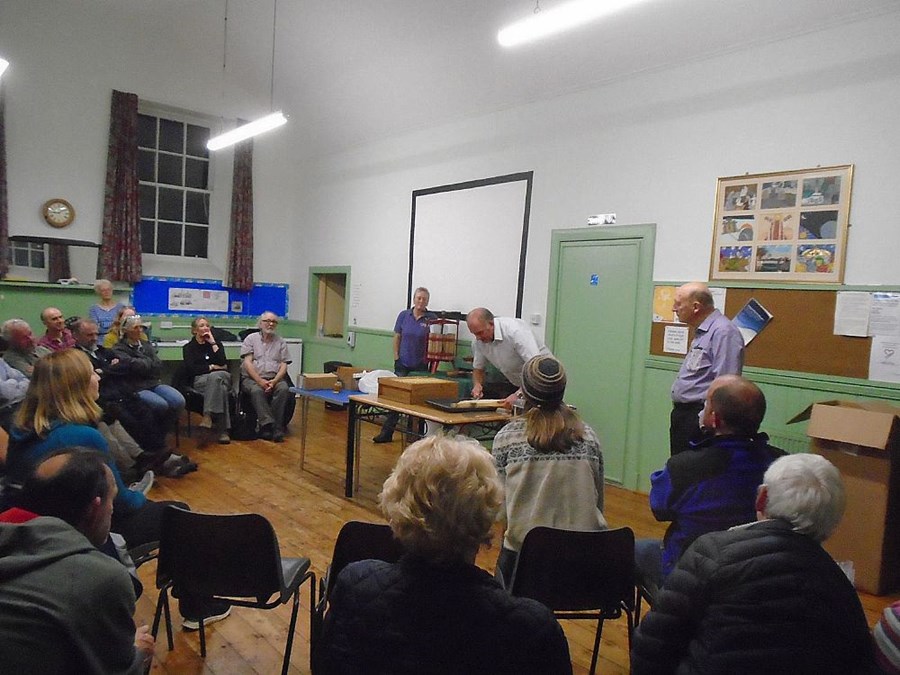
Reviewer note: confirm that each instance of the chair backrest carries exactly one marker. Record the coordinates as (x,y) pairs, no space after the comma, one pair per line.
(219,555)
(361,541)
(572,571)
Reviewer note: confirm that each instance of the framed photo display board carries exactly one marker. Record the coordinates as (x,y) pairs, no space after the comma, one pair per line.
(789,226)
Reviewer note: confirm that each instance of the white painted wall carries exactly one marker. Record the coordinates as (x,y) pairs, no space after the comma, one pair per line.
(67,57)
(649,148)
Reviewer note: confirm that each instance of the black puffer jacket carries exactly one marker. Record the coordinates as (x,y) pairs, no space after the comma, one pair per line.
(413,617)
(759,598)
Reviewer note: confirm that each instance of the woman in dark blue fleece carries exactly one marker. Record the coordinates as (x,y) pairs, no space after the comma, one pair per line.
(435,611)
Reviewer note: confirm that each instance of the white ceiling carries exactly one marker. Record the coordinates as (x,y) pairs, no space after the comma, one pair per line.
(352,71)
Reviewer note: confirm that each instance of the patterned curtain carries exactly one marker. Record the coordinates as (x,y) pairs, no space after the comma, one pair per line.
(120,254)
(4,214)
(240,253)
(58,263)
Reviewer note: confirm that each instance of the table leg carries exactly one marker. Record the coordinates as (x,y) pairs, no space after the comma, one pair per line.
(304,420)
(351,448)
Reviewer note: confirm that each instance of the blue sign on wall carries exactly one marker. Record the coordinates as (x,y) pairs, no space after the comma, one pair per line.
(151,296)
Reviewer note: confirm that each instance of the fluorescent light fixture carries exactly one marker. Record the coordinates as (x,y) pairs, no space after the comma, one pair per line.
(4,64)
(248,130)
(561,18)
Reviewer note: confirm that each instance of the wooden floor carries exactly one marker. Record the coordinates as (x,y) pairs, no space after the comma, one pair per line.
(307,508)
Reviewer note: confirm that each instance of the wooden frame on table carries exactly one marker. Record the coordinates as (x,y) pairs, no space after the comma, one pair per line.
(786,226)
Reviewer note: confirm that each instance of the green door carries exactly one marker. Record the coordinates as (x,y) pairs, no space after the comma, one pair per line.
(600,332)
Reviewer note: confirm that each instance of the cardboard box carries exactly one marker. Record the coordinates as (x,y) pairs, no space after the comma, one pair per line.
(416,390)
(319,380)
(346,376)
(862,439)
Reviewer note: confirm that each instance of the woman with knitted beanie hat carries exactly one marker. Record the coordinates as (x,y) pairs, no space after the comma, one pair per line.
(550,463)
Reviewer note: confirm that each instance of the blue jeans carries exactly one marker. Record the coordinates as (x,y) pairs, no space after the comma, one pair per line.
(162,399)
(648,563)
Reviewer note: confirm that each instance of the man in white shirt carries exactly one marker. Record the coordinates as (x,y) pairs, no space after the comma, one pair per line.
(505,343)
(265,359)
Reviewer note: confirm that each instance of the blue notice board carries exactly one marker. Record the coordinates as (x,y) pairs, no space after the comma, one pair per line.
(154,295)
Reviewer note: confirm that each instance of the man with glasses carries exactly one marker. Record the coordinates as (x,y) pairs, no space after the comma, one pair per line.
(264,362)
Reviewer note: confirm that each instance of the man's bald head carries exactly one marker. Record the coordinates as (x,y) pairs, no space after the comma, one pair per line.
(480,322)
(693,303)
(734,405)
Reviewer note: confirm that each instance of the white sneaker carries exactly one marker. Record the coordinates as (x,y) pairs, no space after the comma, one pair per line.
(144,484)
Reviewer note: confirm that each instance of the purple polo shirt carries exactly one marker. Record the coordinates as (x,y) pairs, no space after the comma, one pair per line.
(413,336)
(717,349)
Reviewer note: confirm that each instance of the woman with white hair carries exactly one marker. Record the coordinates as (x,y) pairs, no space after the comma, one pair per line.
(104,312)
(435,611)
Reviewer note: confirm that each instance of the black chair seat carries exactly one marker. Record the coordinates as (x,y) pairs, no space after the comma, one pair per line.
(233,558)
(579,575)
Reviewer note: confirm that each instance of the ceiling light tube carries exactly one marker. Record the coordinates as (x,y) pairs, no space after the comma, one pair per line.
(4,64)
(566,16)
(245,131)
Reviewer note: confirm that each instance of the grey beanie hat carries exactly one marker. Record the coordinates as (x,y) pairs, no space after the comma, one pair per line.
(544,380)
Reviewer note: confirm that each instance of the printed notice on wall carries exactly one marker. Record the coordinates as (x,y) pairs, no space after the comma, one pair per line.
(851,313)
(675,340)
(884,317)
(884,359)
(198,300)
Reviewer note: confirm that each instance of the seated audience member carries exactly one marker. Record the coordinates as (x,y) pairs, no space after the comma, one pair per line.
(264,362)
(205,361)
(713,486)
(60,411)
(115,333)
(887,640)
(435,611)
(550,463)
(763,597)
(105,311)
(131,458)
(22,352)
(140,369)
(57,335)
(65,607)
(13,386)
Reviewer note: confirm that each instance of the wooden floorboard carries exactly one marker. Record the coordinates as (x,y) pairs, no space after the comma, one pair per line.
(307,508)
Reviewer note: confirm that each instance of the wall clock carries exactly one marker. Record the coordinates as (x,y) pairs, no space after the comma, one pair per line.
(58,212)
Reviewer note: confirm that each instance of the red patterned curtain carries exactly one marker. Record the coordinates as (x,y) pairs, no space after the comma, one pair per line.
(58,263)
(4,214)
(120,254)
(240,252)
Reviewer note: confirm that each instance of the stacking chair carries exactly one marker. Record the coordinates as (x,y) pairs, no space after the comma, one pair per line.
(234,558)
(579,575)
(356,541)
(193,399)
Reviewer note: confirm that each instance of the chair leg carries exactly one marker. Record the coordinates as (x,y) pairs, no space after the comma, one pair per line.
(290,638)
(162,605)
(202,639)
(596,647)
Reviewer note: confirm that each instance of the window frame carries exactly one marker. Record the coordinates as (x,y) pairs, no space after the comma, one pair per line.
(186,118)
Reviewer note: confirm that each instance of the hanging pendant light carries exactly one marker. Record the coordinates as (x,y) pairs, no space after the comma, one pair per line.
(268,122)
(564,17)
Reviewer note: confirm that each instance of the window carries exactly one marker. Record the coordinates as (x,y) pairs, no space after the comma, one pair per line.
(173,170)
(28,254)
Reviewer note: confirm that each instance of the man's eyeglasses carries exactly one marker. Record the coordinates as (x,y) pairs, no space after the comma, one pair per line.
(274,322)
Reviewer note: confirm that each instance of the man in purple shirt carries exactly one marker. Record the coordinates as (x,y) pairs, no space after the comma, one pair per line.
(717,349)
(57,337)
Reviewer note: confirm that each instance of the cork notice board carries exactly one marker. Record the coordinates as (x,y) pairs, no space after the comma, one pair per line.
(799,337)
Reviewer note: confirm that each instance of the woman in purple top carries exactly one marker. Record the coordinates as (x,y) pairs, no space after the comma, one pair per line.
(410,341)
